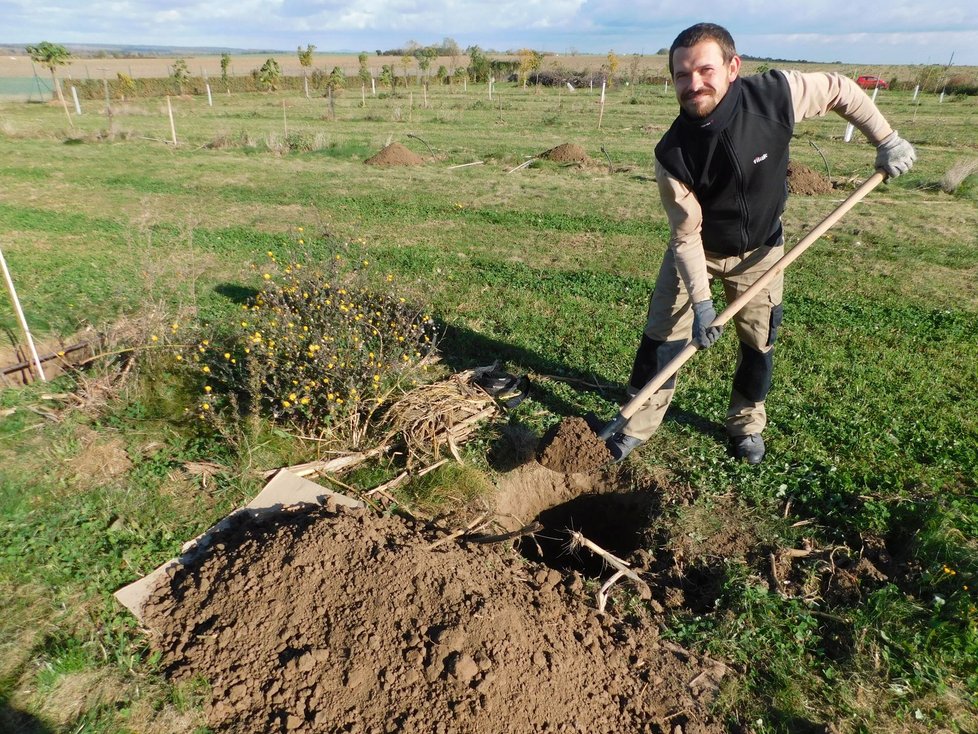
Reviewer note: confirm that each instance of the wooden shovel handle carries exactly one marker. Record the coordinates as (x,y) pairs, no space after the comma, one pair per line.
(632,406)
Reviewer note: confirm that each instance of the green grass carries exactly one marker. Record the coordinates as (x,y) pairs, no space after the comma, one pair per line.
(873,430)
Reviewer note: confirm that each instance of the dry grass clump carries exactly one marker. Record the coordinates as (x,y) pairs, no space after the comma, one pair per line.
(956,174)
(431,418)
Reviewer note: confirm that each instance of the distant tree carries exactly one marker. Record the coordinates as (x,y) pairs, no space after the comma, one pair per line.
(424,56)
(633,68)
(336,79)
(406,60)
(480,66)
(529,61)
(52,56)
(442,74)
(364,72)
(127,85)
(388,77)
(225,63)
(268,74)
(179,73)
(613,64)
(450,48)
(305,61)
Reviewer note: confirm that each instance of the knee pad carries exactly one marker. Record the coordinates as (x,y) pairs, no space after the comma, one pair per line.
(753,376)
(652,356)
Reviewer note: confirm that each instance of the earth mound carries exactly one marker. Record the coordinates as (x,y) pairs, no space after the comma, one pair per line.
(566,153)
(804,181)
(395,154)
(326,620)
(571,447)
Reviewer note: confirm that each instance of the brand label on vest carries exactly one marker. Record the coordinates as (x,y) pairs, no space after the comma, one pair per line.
(760,158)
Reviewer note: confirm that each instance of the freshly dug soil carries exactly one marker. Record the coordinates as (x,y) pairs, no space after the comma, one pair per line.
(804,181)
(344,621)
(572,446)
(395,154)
(566,153)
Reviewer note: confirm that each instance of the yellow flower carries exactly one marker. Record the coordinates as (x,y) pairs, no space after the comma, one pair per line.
(304,401)
(205,368)
(301,242)
(207,388)
(292,396)
(366,262)
(286,404)
(179,358)
(227,355)
(300,229)
(205,406)
(266,276)
(154,338)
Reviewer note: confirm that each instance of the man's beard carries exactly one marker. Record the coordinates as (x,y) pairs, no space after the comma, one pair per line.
(701,104)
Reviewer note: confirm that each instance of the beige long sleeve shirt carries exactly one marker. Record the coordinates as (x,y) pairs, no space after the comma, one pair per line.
(812,95)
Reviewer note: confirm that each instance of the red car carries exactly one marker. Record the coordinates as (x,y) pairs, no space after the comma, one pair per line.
(871,82)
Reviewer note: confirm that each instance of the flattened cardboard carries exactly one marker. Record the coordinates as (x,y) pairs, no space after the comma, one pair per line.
(285,489)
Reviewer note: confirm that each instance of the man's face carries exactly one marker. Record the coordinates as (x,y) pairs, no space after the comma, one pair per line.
(701,77)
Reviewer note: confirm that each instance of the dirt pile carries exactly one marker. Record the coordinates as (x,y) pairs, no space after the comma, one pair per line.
(804,181)
(566,153)
(343,621)
(572,446)
(395,154)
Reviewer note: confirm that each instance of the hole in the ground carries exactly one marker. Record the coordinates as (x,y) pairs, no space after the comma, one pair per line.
(615,521)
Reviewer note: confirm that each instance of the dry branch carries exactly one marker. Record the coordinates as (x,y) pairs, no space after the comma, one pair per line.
(533,527)
(578,540)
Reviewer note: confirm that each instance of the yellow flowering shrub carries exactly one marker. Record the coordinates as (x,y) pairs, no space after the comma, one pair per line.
(315,346)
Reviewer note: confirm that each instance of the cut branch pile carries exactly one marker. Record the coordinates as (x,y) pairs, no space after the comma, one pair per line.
(442,415)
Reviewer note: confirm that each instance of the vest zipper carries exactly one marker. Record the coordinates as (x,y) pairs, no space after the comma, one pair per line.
(741,194)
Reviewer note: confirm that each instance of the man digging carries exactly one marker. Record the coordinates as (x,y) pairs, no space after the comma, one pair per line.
(721,170)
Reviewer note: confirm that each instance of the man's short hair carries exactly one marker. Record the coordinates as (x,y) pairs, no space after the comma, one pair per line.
(704,32)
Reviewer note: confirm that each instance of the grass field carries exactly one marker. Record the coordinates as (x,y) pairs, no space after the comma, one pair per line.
(873,435)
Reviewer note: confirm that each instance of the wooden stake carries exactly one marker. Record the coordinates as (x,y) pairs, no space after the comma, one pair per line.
(173,127)
(20,316)
(601,113)
(285,120)
(64,102)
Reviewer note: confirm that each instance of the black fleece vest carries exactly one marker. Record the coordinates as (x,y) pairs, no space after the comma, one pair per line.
(736,162)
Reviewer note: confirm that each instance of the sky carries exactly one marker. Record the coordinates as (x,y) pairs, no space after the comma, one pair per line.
(889,32)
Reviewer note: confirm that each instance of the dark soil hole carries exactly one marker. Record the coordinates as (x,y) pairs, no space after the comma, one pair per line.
(701,585)
(617,522)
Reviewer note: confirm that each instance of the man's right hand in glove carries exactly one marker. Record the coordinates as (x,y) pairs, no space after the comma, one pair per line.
(704,314)
(895,155)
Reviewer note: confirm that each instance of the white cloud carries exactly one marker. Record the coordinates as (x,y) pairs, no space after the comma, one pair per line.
(818,29)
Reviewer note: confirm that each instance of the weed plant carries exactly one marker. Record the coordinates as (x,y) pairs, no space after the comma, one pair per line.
(317,349)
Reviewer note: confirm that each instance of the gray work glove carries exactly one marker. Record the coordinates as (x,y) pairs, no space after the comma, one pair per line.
(704,314)
(895,155)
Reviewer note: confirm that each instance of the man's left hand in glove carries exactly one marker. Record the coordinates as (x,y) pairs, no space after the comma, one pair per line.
(895,155)
(704,314)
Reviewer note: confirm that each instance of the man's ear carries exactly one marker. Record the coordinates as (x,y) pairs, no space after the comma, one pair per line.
(734,67)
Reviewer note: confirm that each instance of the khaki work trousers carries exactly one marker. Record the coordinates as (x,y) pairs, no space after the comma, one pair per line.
(670,322)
